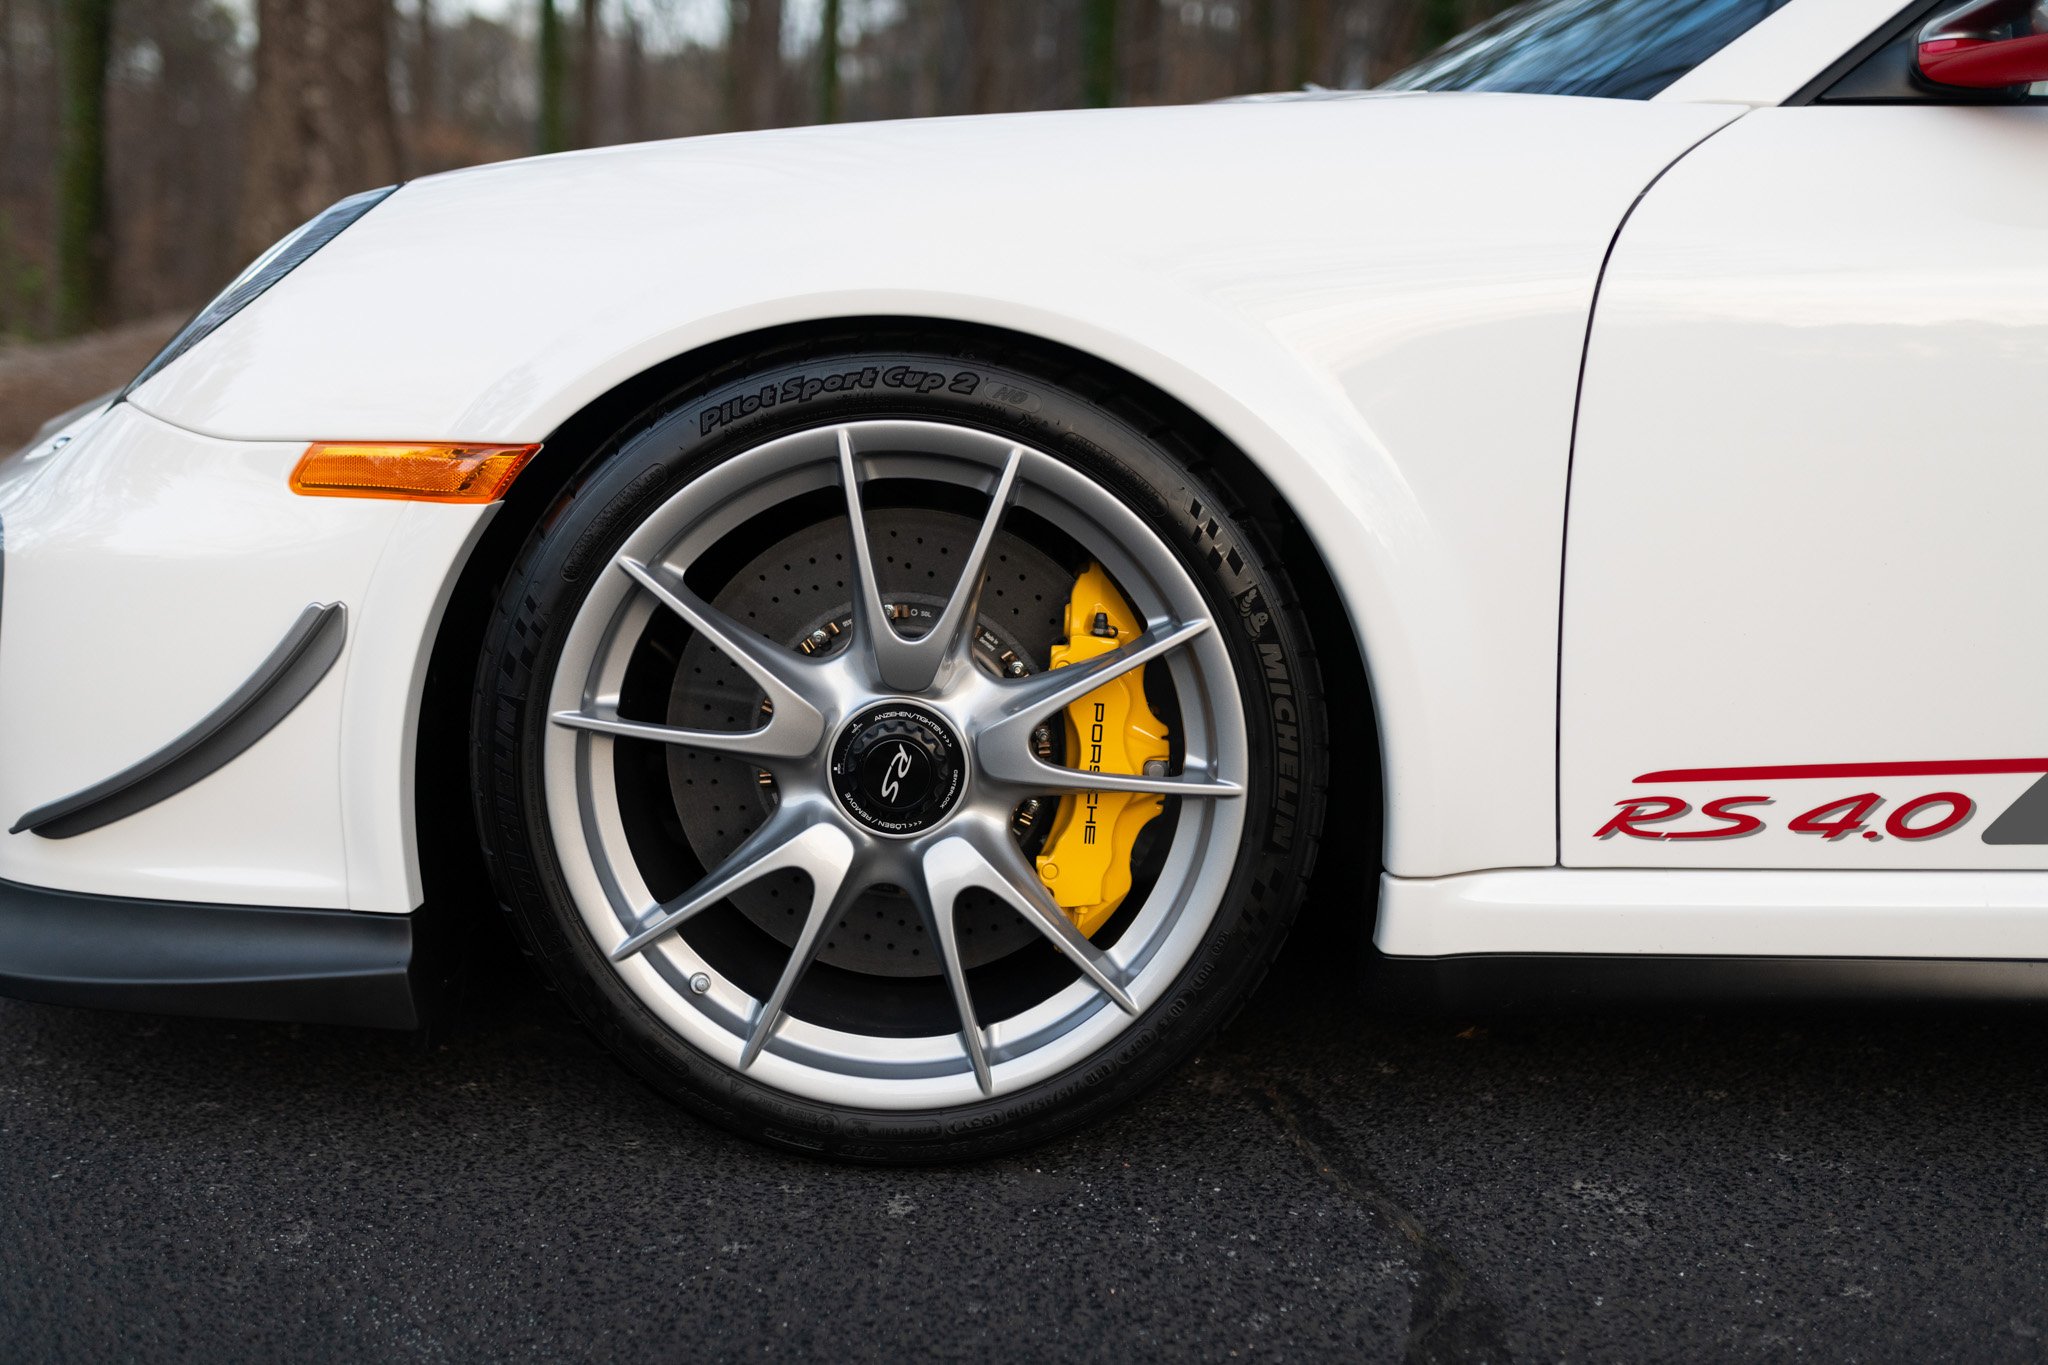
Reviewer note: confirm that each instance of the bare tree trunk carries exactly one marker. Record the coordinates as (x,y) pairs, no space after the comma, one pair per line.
(828,63)
(84,236)
(11,320)
(10,136)
(552,131)
(8,77)
(932,90)
(586,75)
(426,65)
(982,27)
(321,124)
(1312,42)
(1098,52)
(633,86)
(735,83)
(1261,45)
(1142,55)
(754,54)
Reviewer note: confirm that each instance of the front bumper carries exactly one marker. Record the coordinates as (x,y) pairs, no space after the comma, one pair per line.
(222,961)
(149,574)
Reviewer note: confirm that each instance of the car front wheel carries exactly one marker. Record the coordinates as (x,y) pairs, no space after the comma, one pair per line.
(900,753)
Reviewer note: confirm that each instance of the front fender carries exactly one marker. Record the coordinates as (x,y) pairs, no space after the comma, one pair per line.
(1381,301)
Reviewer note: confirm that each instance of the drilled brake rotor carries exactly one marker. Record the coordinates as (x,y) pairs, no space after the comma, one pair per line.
(796,592)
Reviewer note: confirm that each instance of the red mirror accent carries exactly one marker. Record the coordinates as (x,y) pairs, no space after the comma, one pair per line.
(1984,45)
(1980,64)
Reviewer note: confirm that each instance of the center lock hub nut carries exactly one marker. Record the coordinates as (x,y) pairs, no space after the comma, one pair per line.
(897,768)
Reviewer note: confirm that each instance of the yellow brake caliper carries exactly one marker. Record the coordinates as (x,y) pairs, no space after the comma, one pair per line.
(1087,859)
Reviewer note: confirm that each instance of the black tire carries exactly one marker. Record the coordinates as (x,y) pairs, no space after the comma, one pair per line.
(1144,456)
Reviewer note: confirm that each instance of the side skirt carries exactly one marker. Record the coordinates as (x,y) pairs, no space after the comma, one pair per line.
(1553,935)
(1507,982)
(1701,913)
(223,961)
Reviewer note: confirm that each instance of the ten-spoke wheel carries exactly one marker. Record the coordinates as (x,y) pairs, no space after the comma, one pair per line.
(881,777)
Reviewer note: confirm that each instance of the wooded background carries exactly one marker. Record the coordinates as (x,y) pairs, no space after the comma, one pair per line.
(150,148)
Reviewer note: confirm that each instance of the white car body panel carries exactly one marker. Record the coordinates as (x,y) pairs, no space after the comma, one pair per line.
(1339,352)
(1596,912)
(402,606)
(148,570)
(1807,491)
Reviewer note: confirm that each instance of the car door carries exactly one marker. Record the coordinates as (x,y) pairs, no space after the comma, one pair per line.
(1807,546)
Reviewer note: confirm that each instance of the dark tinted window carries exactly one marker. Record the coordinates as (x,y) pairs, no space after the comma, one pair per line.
(1622,49)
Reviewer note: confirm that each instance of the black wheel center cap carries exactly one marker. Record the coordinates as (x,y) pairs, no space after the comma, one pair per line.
(897,768)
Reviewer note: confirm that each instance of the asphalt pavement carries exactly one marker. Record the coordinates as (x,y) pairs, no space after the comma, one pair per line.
(1325,1182)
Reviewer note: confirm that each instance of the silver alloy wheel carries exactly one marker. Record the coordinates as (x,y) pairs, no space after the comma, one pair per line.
(933,681)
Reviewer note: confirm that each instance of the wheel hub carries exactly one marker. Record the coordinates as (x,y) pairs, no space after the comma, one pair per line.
(897,768)
(898,717)
(795,592)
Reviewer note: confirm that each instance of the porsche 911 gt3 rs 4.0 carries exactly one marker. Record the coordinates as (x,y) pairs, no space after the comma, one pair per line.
(892,613)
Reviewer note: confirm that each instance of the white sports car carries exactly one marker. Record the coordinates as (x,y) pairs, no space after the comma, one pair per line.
(889,610)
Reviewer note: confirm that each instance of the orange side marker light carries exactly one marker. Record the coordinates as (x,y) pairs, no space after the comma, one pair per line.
(414,472)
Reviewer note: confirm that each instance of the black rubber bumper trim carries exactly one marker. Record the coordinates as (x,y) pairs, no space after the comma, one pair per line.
(222,961)
(1487,981)
(272,692)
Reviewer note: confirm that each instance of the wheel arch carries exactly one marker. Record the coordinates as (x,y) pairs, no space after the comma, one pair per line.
(451,863)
